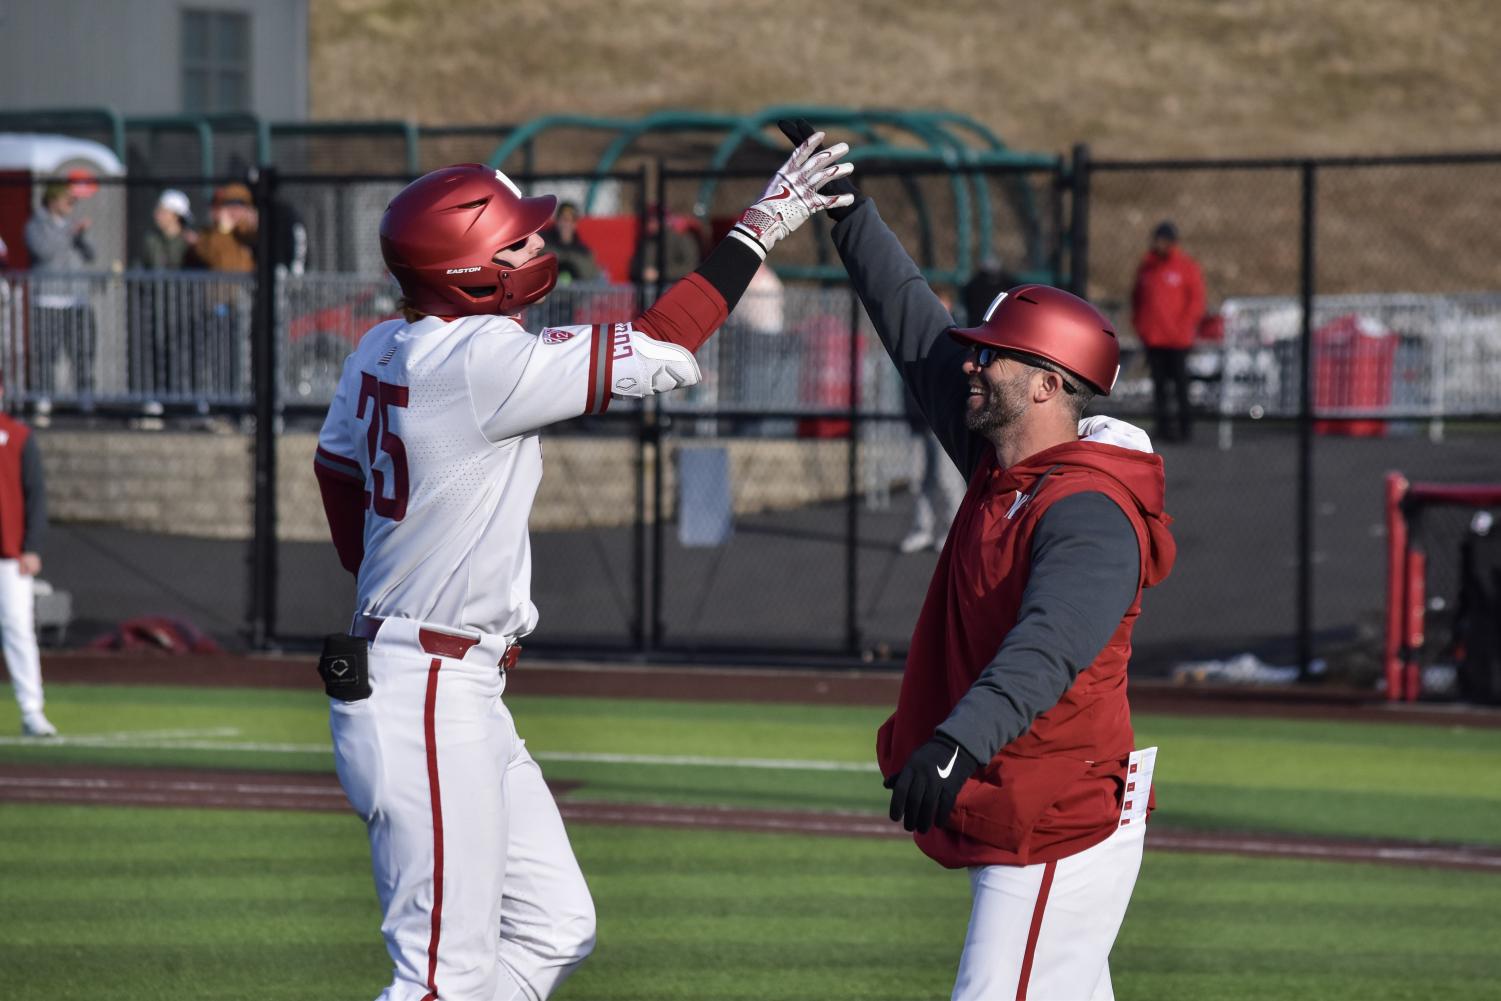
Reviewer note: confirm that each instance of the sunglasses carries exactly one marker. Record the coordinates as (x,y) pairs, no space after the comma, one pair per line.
(985,356)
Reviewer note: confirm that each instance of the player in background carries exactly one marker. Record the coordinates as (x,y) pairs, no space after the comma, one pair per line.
(428,463)
(1010,752)
(23,527)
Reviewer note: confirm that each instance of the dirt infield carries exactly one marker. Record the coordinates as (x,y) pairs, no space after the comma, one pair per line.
(245,790)
(537,676)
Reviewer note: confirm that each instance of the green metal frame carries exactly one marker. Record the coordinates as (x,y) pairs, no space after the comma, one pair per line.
(946,141)
(662,121)
(529,131)
(939,133)
(404,128)
(245,122)
(44,120)
(181,123)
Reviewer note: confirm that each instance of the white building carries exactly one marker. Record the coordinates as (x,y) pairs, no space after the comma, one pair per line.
(155,57)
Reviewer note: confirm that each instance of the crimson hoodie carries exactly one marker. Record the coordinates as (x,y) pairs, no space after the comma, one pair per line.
(1168,300)
(1055,790)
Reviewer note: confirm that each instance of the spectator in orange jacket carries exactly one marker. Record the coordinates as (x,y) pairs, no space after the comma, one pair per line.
(1167,303)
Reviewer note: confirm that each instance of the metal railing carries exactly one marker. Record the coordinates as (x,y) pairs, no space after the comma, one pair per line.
(1385,357)
(132,339)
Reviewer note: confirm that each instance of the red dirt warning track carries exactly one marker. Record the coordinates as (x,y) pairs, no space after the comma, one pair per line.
(243,790)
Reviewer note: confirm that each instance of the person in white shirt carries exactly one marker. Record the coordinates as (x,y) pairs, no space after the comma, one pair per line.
(428,463)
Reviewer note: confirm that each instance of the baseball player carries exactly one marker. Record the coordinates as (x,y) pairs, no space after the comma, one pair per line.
(1010,752)
(428,463)
(23,522)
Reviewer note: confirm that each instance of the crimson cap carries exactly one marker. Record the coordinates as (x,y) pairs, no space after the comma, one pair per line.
(1053,325)
(440,235)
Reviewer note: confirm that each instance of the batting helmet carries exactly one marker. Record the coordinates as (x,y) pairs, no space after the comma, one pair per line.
(440,235)
(1053,325)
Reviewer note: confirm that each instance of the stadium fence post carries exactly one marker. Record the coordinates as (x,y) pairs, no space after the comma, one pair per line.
(1305,425)
(658,487)
(1078,231)
(1396,583)
(852,488)
(639,570)
(263,392)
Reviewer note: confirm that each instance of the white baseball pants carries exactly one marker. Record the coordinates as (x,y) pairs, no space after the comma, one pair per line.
(1044,932)
(482,899)
(18,637)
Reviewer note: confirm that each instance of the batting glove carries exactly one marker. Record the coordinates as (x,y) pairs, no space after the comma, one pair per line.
(799,131)
(793,195)
(924,791)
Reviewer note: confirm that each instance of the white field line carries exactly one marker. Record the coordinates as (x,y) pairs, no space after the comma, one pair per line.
(779,764)
(193,740)
(168,785)
(1175,841)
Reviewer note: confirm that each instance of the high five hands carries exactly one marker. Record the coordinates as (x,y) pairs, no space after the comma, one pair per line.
(795,193)
(799,131)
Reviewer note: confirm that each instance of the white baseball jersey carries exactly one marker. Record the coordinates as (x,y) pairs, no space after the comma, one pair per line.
(440,420)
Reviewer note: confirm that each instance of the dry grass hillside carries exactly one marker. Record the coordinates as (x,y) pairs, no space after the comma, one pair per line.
(1132,77)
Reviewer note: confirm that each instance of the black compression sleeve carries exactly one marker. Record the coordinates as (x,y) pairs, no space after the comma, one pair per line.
(730,268)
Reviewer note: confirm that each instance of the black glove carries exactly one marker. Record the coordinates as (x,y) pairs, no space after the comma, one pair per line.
(798,130)
(923,792)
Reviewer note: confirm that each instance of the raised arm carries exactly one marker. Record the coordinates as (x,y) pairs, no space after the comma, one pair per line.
(694,308)
(572,371)
(908,316)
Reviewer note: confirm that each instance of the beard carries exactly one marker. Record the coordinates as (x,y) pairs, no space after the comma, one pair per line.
(1004,406)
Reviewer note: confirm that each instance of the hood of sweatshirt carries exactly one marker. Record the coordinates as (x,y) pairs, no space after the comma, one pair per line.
(1122,452)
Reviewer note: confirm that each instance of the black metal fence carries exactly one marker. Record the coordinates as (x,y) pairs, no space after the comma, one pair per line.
(764,512)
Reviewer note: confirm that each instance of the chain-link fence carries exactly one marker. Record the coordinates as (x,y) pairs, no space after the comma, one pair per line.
(770,508)
(1358,332)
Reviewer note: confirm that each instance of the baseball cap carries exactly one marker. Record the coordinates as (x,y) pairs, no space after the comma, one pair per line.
(175,202)
(1166,230)
(233,193)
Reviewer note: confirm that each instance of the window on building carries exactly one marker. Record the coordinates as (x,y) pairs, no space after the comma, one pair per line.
(215,61)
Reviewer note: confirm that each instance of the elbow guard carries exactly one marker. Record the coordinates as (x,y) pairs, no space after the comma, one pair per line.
(653,367)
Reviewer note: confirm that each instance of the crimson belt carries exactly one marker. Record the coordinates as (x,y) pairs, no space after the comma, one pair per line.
(438,642)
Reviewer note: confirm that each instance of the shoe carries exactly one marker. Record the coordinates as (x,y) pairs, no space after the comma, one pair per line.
(915,542)
(37,725)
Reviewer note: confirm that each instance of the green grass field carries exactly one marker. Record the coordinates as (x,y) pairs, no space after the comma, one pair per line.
(108,902)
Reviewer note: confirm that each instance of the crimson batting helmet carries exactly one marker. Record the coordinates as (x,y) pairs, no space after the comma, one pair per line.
(1053,325)
(440,235)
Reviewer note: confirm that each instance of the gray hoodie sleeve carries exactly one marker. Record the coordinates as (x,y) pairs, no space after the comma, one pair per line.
(911,322)
(47,244)
(1085,565)
(33,497)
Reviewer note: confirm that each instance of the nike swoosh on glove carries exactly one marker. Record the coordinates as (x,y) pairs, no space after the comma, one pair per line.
(793,195)
(924,791)
(799,131)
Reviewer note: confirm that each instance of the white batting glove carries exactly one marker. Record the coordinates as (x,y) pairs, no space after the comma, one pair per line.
(654,367)
(793,195)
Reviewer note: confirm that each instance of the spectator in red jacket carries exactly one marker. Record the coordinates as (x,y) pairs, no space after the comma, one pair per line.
(1167,304)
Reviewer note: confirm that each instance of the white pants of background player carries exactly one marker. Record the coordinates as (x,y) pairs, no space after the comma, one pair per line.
(482,899)
(1044,932)
(18,637)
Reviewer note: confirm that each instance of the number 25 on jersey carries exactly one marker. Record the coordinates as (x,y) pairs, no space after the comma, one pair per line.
(382,396)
